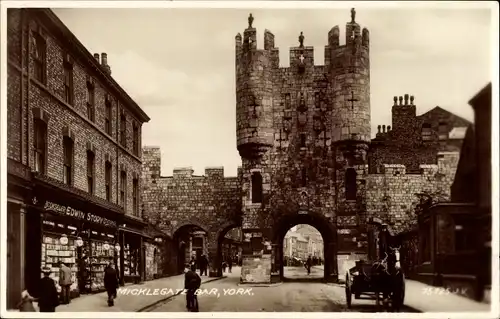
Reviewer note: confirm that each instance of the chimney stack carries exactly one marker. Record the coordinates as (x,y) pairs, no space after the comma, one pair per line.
(104,62)
(96,57)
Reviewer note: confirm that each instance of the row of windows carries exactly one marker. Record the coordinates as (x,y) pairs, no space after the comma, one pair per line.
(40,74)
(40,156)
(427,131)
(350,184)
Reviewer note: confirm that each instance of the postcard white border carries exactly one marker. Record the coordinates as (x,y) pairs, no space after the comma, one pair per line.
(247,5)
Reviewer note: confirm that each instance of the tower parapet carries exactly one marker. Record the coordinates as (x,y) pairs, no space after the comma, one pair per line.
(349,69)
(254,92)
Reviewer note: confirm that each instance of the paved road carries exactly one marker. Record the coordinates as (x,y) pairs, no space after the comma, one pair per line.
(286,297)
(301,273)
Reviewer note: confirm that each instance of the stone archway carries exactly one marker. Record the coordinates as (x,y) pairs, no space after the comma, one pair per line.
(325,227)
(215,244)
(186,242)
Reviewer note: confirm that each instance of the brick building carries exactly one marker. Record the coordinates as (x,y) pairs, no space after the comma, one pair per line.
(304,136)
(74,160)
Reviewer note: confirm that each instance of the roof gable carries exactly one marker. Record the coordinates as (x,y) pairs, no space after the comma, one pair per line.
(439,114)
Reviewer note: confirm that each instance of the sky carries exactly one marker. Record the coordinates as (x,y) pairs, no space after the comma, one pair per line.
(179,65)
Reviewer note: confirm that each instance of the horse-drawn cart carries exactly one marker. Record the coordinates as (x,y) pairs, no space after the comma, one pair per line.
(378,278)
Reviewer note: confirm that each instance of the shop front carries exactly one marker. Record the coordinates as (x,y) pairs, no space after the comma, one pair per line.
(132,257)
(74,229)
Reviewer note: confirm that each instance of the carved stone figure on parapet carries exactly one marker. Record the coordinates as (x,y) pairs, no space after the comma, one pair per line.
(250,21)
(301,39)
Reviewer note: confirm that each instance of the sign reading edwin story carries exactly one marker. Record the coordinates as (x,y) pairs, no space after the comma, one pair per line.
(78,214)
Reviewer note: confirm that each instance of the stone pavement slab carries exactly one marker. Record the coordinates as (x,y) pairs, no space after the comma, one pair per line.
(131,302)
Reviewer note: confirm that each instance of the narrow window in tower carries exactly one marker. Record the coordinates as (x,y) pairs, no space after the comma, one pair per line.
(303,177)
(350,184)
(317,102)
(288,101)
(256,187)
(426,132)
(302,140)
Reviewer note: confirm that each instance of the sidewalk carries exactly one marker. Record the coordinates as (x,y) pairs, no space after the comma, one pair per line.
(428,298)
(130,302)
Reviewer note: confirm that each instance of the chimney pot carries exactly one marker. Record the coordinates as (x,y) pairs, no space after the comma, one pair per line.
(96,57)
(400,100)
(388,128)
(395,100)
(383,128)
(379,128)
(411,99)
(406,99)
(104,58)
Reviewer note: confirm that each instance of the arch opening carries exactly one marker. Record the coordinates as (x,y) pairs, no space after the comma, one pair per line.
(229,250)
(320,242)
(191,243)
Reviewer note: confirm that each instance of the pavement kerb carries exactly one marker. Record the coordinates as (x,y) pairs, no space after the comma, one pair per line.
(145,308)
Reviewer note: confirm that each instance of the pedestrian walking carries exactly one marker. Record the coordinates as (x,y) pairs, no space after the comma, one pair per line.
(224,265)
(230,264)
(192,283)
(111,283)
(203,265)
(309,265)
(65,281)
(48,298)
(26,303)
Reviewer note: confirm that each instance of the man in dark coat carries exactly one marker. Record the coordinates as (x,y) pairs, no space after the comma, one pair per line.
(111,282)
(309,265)
(192,282)
(48,298)
(230,264)
(203,265)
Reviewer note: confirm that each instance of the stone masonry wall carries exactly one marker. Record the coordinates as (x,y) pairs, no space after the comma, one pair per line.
(49,97)
(390,196)
(212,201)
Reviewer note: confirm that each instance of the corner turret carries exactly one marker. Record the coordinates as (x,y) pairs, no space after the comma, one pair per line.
(254,92)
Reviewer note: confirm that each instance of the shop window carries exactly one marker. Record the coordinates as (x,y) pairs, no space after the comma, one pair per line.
(123,188)
(39,58)
(90,171)
(108,116)
(426,132)
(90,102)
(123,130)
(107,177)
(135,196)
(68,148)
(40,145)
(256,187)
(443,131)
(350,184)
(136,139)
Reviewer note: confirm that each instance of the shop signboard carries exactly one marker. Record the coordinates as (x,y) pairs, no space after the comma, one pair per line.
(78,214)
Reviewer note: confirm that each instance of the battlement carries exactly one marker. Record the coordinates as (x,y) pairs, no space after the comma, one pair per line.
(210,173)
(356,39)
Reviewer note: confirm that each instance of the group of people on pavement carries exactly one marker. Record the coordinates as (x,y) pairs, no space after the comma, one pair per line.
(49,298)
